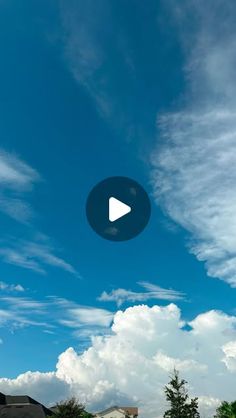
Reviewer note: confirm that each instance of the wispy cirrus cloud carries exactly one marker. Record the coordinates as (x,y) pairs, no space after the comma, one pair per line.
(34,255)
(85,49)
(15,173)
(93,39)
(6,287)
(53,314)
(19,312)
(83,321)
(88,316)
(152,291)
(194,164)
(13,316)
(16,178)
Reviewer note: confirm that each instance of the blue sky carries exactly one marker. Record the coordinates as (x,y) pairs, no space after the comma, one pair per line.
(92,90)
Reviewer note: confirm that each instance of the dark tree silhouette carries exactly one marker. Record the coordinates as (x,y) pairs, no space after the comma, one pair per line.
(71,409)
(177,395)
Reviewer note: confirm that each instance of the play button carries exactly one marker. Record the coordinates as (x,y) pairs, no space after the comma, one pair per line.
(118,208)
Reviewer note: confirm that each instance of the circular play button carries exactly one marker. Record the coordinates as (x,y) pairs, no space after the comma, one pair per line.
(118,208)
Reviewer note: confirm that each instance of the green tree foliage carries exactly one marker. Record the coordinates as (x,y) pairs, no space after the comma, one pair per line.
(87,415)
(226,410)
(71,409)
(180,404)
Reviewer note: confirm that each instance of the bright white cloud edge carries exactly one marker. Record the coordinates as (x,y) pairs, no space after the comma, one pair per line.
(133,363)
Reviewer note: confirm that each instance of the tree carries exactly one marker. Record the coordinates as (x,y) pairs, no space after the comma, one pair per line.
(177,395)
(87,415)
(226,410)
(71,409)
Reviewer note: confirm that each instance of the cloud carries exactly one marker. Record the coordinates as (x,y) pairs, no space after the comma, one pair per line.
(84,48)
(15,173)
(19,312)
(52,313)
(24,303)
(34,255)
(99,54)
(121,296)
(16,178)
(194,164)
(14,321)
(85,321)
(229,350)
(132,365)
(11,287)
(88,316)
(41,386)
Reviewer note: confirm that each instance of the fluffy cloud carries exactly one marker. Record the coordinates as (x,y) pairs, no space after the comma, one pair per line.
(41,386)
(133,363)
(229,359)
(194,164)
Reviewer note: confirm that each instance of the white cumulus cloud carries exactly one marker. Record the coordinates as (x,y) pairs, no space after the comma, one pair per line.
(133,364)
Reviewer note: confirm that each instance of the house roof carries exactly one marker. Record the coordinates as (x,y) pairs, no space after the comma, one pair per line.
(129,410)
(106,411)
(11,400)
(23,411)
(22,407)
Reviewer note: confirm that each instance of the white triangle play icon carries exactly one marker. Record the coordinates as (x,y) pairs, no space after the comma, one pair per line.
(117,209)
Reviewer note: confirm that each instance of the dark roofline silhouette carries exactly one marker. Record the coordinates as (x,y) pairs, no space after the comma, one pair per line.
(22,407)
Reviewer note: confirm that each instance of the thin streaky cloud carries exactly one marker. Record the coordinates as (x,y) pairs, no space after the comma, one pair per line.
(15,173)
(16,208)
(87,32)
(51,312)
(120,296)
(45,254)
(85,55)
(16,178)
(34,256)
(89,316)
(24,303)
(194,163)
(11,287)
